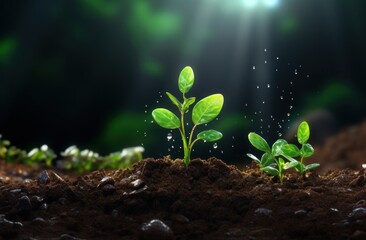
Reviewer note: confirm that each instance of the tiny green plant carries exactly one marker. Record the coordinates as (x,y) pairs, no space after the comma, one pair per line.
(273,160)
(203,112)
(44,154)
(290,151)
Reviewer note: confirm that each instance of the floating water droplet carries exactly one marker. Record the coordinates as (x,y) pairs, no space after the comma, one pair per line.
(169,136)
(265,61)
(281,97)
(307,75)
(265,49)
(232,146)
(145,111)
(276,70)
(261,120)
(152,121)
(157,101)
(288,114)
(269,126)
(291,82)
(253,67)
(257,86)
(222,151)
(246,104)
(172,146)
(268,85)
(295,71)
(215,145)
(264,102)
(146,104)
(277,58)
(291,106)
(279,134)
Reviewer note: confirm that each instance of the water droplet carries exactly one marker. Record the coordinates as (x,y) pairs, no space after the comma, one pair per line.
(261,120)
(265,61)
(215,145)
(145,111)
(288,114)
(277,58)
(157,101)
(172,146)
(291,82)
(269,126)
(279,134)
(281,97)
(291,106)
(169,136)
(152,121)
(232,146)
(295,71)
(257,86)
(253,67)
(264,102)
(268,85)
(187,124)
(246,104)
(222,151)
(146,104)
(265,49)
(276,70)
(307,75)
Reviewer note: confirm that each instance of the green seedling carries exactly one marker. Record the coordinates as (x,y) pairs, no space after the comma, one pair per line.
(271,161)
(203,112)
(79,160)
(290,151)
(41,155)
(123,159)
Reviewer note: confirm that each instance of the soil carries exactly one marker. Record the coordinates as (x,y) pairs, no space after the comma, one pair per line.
(163,199)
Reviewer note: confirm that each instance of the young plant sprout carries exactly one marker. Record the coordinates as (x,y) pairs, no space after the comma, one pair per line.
(44,154)
(290,151)
(203,112)
(273,160)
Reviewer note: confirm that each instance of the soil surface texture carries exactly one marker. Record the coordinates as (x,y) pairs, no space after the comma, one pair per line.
(163,199)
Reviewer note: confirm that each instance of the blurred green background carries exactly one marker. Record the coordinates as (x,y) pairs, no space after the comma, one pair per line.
(90,72)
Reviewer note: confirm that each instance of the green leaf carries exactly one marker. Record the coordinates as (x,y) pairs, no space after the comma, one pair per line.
(210,135)
(307,150)
(277,147)
(174,100)
(290,150)
(270,170)
(166,118)
(207,109)
(188,102)
(258,142)
(267,159)
(186,79)
(303,133)
(289,165)
(281,162)
(254,158)
(312,166)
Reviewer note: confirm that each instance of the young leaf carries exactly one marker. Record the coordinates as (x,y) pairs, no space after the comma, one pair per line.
(254,158)
(312,166)
(258,142)
(188,102)
(166,118)
(207,109)
(281,162)
(210,135)
(174,100)
(270,170)
(267,159)
(290,150)
(307,150)
(186,79)
(303,133)
(277,147)
(289,165)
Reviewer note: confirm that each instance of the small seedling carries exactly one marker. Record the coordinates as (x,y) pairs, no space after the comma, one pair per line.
(271,161)
(44,154)
(290,151)
(203,112)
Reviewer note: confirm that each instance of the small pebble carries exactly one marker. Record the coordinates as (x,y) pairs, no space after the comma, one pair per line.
(43,177)
(38,220)
(357,213)
(108,189)
(263,212)
(156,230)
(301,212)
(24,204)
(138,183)
(105,181)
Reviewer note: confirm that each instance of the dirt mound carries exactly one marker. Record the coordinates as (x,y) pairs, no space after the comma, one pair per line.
(207,200)
(347,149)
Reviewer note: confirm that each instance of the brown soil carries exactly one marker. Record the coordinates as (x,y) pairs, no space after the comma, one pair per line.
(207,200)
